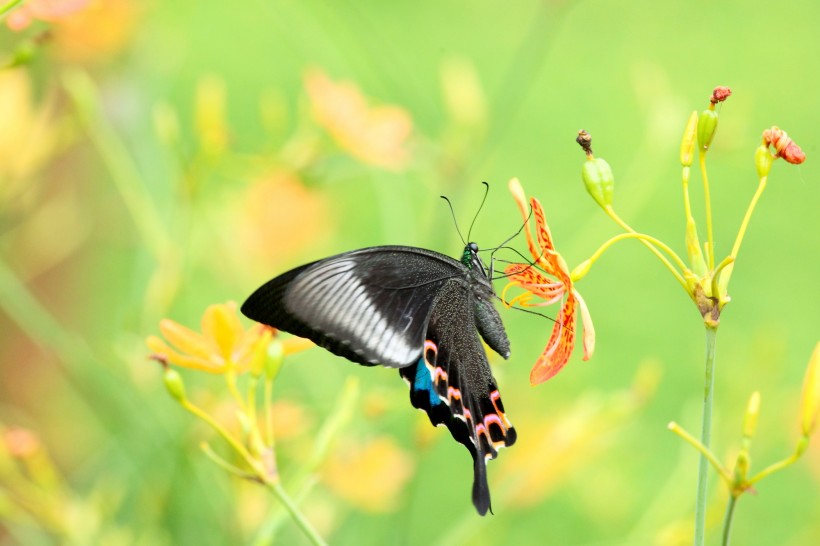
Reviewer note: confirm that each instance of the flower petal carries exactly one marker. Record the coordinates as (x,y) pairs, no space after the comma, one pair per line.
(254,349)
(221,325)
(559,347)
(542,230)
(529,278)
(296,345)
(185,339)
(158,346)
(589,329)
(521,200)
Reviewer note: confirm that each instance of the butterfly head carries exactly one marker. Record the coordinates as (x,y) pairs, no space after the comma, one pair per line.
(472,260)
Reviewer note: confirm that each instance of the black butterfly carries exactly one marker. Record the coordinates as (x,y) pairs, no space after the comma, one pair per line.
(411,309)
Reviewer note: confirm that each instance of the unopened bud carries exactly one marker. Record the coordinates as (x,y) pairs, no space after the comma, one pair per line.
(707,124)
(742,465)
(687,145)
(763,160)
(276,355)
(599,180)
(810,399)
(752,412)
(174,384)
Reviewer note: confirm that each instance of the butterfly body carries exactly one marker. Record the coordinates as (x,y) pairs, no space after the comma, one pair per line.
(412,309)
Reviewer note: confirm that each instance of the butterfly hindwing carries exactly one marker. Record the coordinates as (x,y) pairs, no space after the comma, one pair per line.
(370,306)
(453,383)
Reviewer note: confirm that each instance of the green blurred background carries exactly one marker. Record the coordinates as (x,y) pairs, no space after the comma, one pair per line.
(159,157)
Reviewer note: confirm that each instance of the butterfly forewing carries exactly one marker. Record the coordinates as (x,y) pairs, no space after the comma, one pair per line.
(370,306)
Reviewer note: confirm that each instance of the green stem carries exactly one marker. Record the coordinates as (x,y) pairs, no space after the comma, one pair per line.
(707,201)
(9,6)
(692,441)
(296,514)
(772,468)
(618,220)
(705,436)
(268,412)
(303,480)
(646,239)
(124,173)
(727,522)
(743,226)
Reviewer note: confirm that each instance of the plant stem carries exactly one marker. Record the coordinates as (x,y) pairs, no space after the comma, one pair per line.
(298,517)
(692,441)
(707,201)
(727,522)
(9,6)
(743,226)
(646,239)
(618,220)
(705,435)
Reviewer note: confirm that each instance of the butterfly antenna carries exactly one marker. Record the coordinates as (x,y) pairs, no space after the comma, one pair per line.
(483,200)
(455,222)
(503,245)
(542,315)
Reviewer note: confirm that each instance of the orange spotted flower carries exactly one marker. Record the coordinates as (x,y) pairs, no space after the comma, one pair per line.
(548,278)
(224,345)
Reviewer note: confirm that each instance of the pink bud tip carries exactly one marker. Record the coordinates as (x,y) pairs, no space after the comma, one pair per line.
(720,94)
(784,146)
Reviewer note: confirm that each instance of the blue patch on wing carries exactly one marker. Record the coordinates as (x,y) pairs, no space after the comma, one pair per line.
(423,382)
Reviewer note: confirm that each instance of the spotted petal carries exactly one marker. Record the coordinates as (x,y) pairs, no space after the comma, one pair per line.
(559,347)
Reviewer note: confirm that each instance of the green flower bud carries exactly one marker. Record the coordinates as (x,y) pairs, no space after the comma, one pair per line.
(752,412)
(599,181)
(707,123)
(763,160)
(276,355)
(174,384)
(742,466)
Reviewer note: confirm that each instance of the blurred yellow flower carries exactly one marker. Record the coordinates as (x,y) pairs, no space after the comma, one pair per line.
(223,344)
(370,476)
(27,136)
(376,135)
(810,400)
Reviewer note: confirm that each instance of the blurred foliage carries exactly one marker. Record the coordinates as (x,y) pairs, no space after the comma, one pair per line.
(156,158)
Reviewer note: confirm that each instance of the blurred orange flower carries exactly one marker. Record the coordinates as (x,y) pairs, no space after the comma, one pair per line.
(223,344)
(98,32)
(370,476)
(551,290)
(278,217)
(375,135)
(44,10)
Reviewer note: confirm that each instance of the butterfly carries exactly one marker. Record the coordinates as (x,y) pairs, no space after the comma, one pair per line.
(415,310)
